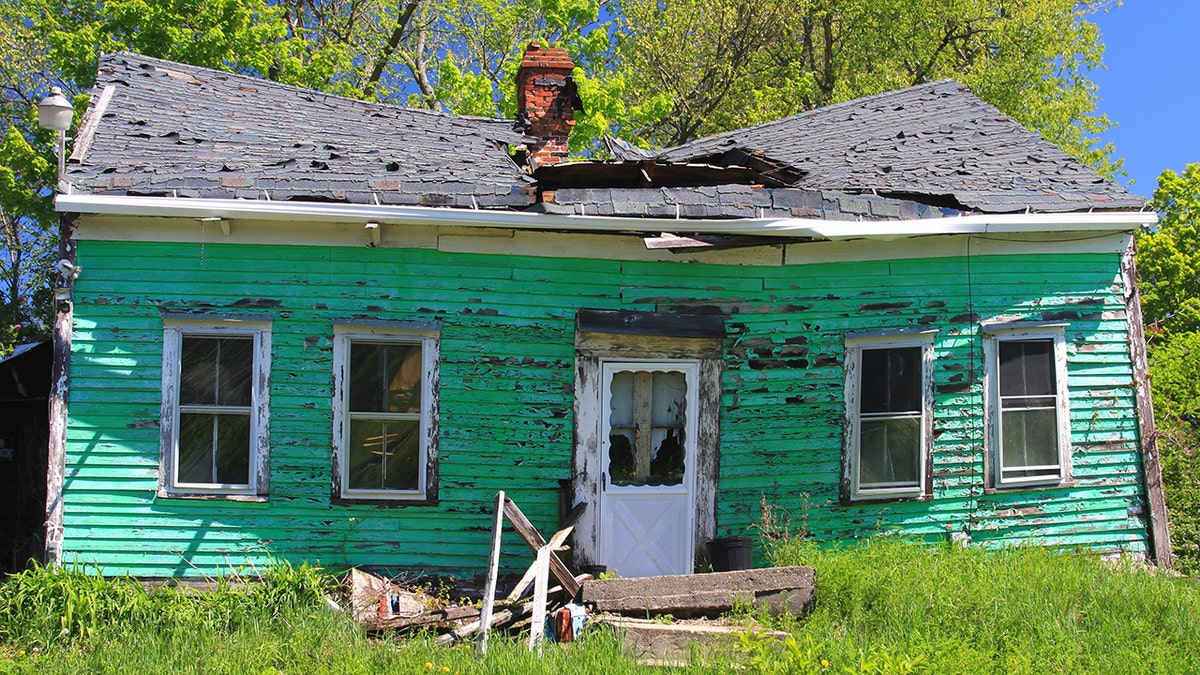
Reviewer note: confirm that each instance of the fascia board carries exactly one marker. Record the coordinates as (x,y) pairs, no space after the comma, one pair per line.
(240,209)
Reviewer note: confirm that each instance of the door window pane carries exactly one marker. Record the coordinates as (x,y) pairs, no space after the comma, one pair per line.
(647,413)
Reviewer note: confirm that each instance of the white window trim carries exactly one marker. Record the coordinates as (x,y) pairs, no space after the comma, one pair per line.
(260,405)
(854,348)
(994,334)
(343,334)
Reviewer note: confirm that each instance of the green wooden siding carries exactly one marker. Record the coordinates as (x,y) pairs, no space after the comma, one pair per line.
(507,385)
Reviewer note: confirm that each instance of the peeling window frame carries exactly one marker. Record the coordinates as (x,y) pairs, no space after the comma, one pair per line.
(993,335)
(428,337)
(855,344)
(174,330)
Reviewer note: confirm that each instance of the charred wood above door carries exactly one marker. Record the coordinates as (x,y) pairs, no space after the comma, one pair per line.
(625,322)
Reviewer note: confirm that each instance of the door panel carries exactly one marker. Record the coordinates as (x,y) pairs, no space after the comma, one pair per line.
(647,500)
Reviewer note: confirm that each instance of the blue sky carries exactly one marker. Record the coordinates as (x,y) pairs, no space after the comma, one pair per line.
(1151,87)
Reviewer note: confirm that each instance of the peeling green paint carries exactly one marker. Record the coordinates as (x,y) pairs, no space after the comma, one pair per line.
(507,382)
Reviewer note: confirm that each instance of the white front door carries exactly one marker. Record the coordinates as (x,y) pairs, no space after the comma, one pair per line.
(647,492)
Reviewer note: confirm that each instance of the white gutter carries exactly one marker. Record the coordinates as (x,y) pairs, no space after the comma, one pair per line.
(248,209)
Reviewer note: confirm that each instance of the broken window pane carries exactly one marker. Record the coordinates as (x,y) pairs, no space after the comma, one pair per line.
(646,427)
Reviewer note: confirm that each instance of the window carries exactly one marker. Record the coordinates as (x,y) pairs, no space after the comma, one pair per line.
(888,404)
(1028,415)
(384,413)
(215,407)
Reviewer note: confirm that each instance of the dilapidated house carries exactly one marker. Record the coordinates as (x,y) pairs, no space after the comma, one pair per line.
(307,327)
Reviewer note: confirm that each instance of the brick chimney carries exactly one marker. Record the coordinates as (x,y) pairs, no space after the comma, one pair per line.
(546,101)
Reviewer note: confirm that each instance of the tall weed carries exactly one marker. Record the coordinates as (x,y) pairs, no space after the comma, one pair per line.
(51,606)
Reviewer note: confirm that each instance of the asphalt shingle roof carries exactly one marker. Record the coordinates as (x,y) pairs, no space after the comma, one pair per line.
(172,129)
(177,130)
(936,140)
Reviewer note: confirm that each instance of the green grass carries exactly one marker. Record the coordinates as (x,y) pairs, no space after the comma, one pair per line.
(883,606)
(1024,610)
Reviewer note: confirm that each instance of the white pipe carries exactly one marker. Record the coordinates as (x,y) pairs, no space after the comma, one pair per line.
(246,209)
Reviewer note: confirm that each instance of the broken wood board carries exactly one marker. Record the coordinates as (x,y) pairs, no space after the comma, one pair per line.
(373,598)
(379,604)
(777,589)
(677,644)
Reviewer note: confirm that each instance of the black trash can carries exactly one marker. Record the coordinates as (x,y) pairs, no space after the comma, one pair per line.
(730,553)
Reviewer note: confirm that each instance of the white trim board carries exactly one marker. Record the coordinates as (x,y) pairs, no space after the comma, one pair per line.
(613,246)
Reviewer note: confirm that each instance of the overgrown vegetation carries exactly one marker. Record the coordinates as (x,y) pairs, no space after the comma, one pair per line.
(884,606)
(1167,261)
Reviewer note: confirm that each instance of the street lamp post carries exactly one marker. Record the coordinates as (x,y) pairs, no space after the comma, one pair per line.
(55,112)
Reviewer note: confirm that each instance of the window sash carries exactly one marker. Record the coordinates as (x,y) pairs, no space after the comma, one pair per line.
(1030,430)
(224,454)
(896,464)
(359,477)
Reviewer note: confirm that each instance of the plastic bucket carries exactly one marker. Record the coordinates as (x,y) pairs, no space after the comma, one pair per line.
(730,553)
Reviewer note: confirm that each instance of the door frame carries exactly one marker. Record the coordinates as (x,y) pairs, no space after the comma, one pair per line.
(642,336)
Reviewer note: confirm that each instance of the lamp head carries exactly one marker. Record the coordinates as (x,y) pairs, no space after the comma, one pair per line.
(55,111)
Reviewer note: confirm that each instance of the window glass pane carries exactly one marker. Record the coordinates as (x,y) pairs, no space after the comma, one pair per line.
(668,408)
(384,454)
(1030,438)
(669,399)
(890,452)
(235,369)
(385,377)
(1026,367)
(227,462)
(216,371)
(195,448)
(621,400)
(890,380)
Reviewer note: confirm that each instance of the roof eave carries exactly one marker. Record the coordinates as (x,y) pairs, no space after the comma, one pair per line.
(174,207)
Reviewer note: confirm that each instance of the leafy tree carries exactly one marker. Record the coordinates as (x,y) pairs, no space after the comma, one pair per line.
(651,71)
(722,64)
(1168,261)
(1168,258)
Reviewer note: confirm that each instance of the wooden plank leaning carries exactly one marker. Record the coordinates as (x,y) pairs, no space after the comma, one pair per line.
(535,541)
(555,544)
(537,626)
(489,593)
